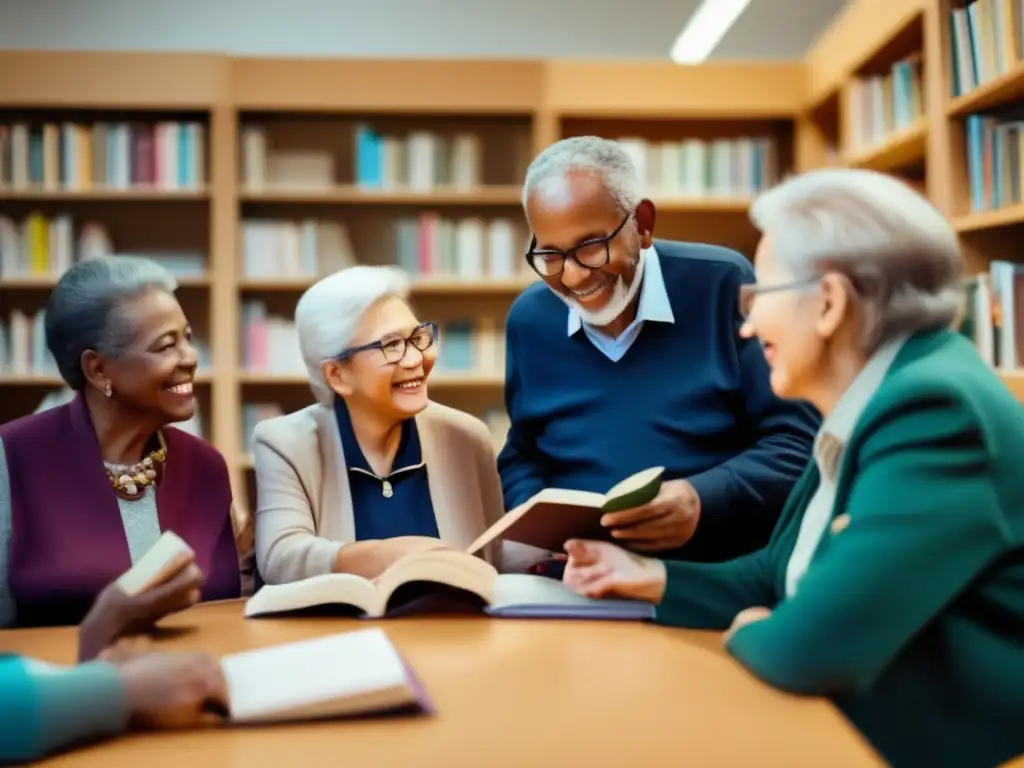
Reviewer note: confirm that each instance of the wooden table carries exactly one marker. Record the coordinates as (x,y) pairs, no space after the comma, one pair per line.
(507,693)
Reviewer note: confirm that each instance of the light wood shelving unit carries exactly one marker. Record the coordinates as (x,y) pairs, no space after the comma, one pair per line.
(517,107)
(867,37)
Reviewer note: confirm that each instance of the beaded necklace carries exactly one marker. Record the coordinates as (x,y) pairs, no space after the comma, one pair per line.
(130,481)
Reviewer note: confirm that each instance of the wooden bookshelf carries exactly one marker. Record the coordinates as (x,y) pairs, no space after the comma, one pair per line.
(299,123)
(970,87)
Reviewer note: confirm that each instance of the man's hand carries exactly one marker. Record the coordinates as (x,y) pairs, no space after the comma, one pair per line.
(666,522)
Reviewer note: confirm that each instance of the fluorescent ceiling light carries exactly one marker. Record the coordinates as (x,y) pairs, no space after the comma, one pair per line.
(705,29)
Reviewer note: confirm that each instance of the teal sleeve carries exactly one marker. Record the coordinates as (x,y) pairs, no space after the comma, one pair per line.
(45,708)
(709,595)
(900,560)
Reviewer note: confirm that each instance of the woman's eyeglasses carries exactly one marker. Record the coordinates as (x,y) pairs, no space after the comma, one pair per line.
(394,347)
(750,291)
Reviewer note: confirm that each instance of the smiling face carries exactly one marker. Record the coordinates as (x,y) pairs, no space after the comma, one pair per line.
(154,375)
(576,210)
(789,325)
(394,390)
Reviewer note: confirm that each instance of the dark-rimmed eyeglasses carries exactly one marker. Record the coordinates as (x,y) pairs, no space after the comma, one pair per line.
(592,254)
(423,337)
(750,291)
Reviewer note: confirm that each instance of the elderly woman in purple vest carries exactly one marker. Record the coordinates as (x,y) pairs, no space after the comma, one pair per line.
(88,487)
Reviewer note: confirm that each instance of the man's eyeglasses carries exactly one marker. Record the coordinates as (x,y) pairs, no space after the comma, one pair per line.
(394,347)
(750,291)
(592,254)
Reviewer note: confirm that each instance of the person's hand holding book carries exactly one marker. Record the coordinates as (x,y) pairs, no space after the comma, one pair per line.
(666,522)
(172,690)
(117,612)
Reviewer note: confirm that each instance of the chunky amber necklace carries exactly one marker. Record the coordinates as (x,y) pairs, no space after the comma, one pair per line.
(130,482)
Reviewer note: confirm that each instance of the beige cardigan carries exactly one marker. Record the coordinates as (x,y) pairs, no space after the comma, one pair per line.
(304,506)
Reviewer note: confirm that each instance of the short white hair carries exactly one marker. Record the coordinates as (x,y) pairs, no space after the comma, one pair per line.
(604,157)
(898,251)
(328,313)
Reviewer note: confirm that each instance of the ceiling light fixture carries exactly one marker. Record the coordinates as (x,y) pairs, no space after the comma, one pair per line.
(705,29)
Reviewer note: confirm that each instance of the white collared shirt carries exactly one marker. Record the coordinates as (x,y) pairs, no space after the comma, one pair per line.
(829,445)
(653,305)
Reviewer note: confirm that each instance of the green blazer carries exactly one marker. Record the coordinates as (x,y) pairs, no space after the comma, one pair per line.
(911,618)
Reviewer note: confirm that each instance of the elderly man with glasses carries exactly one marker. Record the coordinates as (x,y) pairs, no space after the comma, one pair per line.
(627,356)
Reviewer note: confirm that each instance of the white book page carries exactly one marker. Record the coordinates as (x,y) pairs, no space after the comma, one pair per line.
(312,676)
(154,567)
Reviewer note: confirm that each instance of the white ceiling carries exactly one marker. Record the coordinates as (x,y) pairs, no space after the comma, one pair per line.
(769,29)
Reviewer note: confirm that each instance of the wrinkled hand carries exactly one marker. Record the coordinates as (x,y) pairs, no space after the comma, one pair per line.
(116,614)
(744,617)
(600,569)
(172,690)
(668,521)
(372,557)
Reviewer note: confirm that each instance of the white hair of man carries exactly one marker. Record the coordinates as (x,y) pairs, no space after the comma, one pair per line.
(604,157)
(899,253)
(329,312)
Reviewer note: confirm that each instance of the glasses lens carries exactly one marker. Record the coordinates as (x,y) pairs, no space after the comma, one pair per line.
(393,349)
(546,264)
(423,338)
(594,255)
(747,294)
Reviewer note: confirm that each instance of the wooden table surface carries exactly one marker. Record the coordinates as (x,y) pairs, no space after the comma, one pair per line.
(507,693)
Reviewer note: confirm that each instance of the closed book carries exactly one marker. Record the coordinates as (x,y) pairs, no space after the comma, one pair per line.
(340,675)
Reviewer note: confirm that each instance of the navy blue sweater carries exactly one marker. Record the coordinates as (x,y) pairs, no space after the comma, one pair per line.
(691,396)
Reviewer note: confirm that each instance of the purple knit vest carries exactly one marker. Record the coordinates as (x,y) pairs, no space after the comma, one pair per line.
(67,537)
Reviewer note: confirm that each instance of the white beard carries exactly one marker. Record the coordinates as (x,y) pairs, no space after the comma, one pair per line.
(620,300)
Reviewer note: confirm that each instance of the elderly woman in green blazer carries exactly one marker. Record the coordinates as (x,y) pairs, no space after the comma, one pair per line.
(894,581)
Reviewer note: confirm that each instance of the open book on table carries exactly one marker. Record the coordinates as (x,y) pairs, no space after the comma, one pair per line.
(347,674)
(156,566)
(440,581)
(552,516)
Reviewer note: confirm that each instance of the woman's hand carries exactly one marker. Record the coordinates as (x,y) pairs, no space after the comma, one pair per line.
(599,569)
(115,613)
(172,690)
(744,617)
(371,558)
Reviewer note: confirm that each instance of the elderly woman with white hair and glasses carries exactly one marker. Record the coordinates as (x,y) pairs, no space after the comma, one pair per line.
(374,469)
(88,487)
(894,580)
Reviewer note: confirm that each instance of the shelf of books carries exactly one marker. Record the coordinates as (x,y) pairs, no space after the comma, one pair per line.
(78,183)
(272,175)
(934,93)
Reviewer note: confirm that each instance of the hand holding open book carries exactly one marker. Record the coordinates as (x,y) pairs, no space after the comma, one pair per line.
(441,580)
(551,517)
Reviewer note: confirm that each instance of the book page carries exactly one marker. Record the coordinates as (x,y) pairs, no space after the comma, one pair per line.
(520,595)
(347,673)
(325,589)
(443,566)
(156,566)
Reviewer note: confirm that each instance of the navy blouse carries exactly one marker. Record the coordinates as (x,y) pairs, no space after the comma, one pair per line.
(396,505)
